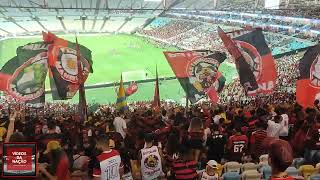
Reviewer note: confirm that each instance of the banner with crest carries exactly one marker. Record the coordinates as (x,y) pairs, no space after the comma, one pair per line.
(197,72)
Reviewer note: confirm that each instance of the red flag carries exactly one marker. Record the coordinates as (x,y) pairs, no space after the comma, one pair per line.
(82,94)
(308,85)
(132,88)
(156,98)
(254,48)
(246,76)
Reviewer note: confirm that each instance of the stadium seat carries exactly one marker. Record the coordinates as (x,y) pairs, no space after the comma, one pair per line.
(297,162)
(318,167)
(251,175)
(232,167)
(292,171)
(266,172)
(249,166)
(231,176)
(263,159)
(315,177)
(307,170)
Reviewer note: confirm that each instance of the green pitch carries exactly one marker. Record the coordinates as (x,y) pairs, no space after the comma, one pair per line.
(113,55)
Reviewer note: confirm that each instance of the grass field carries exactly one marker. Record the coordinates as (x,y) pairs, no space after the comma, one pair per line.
(114,54)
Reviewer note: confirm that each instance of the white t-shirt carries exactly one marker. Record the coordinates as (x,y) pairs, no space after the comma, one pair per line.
(120,124)
(216,119)
(110,164)
(285,125)
(273,129)
(151,166)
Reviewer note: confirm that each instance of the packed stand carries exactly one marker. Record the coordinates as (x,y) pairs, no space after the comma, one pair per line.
(173,143)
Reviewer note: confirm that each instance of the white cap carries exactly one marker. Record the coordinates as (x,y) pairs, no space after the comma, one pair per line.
(212,164)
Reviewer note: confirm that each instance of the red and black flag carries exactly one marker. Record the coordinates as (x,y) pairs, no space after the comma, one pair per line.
(246,76)
(156,98)
(308,84)
(197,72)
(63,66)
(23,76)
(254,49)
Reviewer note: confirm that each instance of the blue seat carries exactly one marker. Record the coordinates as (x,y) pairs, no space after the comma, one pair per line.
(231,176)
(297,162)
(292,171)
(266,172)
(315,177)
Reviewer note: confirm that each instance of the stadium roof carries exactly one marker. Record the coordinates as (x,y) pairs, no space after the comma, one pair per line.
(151,4)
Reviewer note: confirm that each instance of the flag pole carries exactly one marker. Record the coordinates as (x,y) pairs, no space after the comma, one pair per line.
(187,102)
(82,106)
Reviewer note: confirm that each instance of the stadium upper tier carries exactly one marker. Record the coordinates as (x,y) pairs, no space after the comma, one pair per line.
(189,34)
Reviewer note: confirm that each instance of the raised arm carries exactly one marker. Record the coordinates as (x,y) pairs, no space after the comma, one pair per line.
(12,118)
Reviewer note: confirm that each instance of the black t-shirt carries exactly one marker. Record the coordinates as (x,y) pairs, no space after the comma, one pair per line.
(216,144)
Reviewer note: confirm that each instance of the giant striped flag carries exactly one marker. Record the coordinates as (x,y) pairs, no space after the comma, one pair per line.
(121,100)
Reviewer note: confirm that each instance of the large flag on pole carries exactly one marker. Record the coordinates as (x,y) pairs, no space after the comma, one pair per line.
(254,49)
(63,64)
(82,107)
(197,72)
(308,84)
(156,98)
(23,76)
(246,76)
(121,100)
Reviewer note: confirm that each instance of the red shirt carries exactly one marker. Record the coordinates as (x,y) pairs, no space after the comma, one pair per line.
(237,145)
(256,141)
(283,178)
(62,171)
(185,170)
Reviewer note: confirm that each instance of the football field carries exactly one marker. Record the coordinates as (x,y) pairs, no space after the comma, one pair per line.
(112,55)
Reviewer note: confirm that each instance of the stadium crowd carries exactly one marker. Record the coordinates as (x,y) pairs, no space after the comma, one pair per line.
(203,142)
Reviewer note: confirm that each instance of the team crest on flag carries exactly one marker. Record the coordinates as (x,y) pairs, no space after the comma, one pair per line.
(252,57)
(197,72)
(26,82)
(66,64)
(308,84)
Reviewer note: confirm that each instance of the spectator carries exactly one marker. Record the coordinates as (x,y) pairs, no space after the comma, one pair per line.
(151,159)
(280,158)
(108,165)
(59,162)
(120,125)
(237,145)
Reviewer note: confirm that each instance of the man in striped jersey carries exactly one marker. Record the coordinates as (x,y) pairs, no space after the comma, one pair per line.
(108,164)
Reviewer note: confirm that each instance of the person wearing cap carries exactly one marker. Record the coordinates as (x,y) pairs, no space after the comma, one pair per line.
(280,158)
(59,162)
(211,171)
